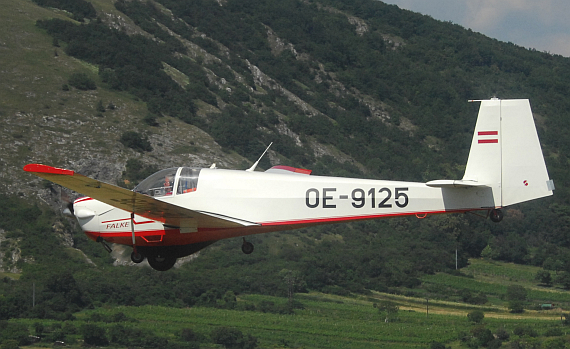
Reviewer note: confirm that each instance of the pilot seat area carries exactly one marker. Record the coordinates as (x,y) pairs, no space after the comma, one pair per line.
(162,183)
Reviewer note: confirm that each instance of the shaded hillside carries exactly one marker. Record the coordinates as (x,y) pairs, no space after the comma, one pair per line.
(348,88)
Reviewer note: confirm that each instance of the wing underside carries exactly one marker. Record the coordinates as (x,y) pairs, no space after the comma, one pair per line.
(136,203)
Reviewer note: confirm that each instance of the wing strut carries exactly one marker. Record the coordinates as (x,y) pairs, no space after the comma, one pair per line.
(133,231)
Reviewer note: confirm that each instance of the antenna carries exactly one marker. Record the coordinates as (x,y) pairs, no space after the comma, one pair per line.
(252,168)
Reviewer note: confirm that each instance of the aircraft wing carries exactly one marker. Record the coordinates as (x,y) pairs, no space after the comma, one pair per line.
(131,201)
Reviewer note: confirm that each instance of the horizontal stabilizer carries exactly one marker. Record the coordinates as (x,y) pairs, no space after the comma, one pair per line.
(454,183)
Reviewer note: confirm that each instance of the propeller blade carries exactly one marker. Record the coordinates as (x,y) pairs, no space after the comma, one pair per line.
(68,210)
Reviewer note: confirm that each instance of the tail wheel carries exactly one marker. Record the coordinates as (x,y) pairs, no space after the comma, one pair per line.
(496,215)
(161,262)
(247,247)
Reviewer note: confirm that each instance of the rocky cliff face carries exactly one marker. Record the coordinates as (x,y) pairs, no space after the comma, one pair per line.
(47,122)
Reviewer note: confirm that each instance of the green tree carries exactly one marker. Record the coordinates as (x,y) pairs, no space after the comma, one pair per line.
(188,335)
(437,345)
(99,107)
(516,292)
(136,141)
(488,253)
(229,300)
(232,338)
(563,279)
(9,344)
(502,334)
(292,280)
(476,316)
(81,82)
(38,329)
(483,335)
(544,277)
(555,343)
(150,119)
(388,308)
(16,332)
(516,296)
(94,335)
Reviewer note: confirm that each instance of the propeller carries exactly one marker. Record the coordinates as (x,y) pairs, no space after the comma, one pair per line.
(68,210)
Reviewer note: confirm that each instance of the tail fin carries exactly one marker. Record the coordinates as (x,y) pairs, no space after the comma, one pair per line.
(506,155)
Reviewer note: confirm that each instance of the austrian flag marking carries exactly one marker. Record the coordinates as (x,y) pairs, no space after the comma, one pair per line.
(488,137)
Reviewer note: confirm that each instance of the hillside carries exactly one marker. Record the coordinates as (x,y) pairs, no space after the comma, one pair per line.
(346,88)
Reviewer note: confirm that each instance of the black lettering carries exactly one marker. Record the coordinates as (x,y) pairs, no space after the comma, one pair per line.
(358,198)
(308,198)
(372,193)
(399,195)
(325,198)
(383,203)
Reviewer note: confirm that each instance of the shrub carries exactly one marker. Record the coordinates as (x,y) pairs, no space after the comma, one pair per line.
(188,335)
(476,316)
(553,332)
(387,307)
(544,277)
(502,334)
(136,141)
(182,345)
(232,338)
(82,82)
(94,335)
(437,345)
(516,306)
(150,119)
(9,344)
(555,343)
(99,106)
(483,335)
(522,331)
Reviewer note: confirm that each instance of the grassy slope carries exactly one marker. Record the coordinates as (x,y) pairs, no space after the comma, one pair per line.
(43,123)
(493,278)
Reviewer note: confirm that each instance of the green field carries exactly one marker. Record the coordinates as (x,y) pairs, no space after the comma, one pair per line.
(326,322)
(330,321)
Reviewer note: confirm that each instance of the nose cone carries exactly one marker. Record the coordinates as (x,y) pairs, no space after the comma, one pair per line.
(83,211)
(88,212)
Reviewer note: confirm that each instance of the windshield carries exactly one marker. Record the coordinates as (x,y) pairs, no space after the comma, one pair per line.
(158,184)
(188,180)
(162,183)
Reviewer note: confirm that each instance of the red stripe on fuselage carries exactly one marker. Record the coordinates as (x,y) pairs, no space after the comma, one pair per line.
(173,237)
(82,199)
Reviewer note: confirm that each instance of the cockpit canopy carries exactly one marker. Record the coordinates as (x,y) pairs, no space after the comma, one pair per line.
(162,183)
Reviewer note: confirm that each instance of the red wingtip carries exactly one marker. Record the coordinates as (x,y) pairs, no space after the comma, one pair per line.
(47,169)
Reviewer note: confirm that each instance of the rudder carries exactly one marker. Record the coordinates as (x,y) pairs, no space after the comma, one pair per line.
(524,171)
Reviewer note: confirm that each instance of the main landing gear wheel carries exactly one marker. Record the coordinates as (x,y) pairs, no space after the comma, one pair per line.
(496,215)
(161,262)
(247,247)
(136,257)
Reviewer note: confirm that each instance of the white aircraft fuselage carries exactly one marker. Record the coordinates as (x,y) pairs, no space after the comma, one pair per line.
(178,211)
